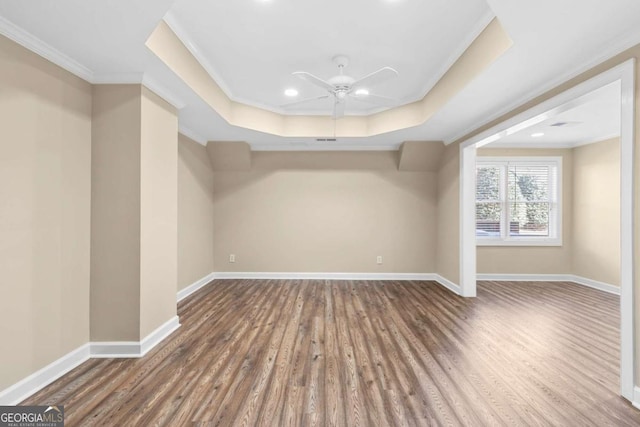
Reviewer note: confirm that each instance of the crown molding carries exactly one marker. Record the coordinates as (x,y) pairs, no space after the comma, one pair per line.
(482,22)
(161,90)
(117,78)
(183,35)
(34,44)
(623,43)
(142,79)
(48,52)
(174,24)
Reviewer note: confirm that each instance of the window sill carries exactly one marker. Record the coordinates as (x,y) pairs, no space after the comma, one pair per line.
(518,242)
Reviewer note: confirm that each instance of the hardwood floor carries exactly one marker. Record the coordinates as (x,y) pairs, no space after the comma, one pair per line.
(253,352)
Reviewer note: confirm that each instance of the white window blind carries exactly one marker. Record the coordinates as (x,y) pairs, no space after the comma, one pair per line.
(517,200)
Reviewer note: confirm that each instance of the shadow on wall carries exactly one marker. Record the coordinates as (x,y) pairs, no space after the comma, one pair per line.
(197,164)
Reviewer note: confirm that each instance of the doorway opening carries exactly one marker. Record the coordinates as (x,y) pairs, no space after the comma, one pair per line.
(624,75)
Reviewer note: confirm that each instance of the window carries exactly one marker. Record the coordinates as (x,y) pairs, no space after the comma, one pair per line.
(518,201)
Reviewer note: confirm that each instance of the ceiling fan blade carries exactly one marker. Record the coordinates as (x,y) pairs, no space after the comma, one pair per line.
(314,80)
(303,101)
(338,110)
(376,99)
(375,78)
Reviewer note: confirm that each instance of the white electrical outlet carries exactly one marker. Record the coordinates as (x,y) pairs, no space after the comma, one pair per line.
(379,259)
(232,258)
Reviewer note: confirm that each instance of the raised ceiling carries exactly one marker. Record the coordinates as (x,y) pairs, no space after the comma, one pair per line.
(254,46)
(104,42)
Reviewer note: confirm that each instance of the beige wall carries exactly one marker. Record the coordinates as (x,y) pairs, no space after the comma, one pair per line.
(448,212)
(533,259)
(115,213)
(158,212)
(630,54)
(325,212)
(195,212)
(591,219)
(44,252)
(45,160)
(134,213)
(596,207)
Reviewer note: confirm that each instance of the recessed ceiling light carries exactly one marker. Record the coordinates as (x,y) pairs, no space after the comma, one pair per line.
(537,134)
(291,92)
(362,92)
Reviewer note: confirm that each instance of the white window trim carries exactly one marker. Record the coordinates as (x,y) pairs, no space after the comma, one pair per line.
(556,224)
(565,101)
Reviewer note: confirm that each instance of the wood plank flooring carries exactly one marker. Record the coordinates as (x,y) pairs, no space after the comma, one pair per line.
(325,353)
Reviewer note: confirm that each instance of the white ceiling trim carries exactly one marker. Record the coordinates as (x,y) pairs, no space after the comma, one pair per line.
(34,44)
(622,43)
(48,52)
(183,35)
(332,146)
(191,134)
(162,91)
(175,25)
(117,78)
(480,25)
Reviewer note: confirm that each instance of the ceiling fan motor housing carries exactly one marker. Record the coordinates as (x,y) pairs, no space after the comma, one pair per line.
(342,81)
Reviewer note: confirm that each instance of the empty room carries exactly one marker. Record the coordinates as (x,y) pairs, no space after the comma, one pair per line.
(330,213)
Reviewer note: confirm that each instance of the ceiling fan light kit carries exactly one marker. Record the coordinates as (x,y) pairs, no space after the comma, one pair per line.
(342,86)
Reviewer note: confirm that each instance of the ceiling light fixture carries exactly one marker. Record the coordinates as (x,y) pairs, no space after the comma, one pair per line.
(291,92)
(362,92)
(537,134)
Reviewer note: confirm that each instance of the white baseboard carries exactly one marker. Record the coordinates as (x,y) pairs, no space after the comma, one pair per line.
(45,376)
(326,276)
(524,277)
(131,349)
(605,287)
(162,332)
(183,293)
(342,276)
(448,284)
(636,397)
(134,349)
(612,289)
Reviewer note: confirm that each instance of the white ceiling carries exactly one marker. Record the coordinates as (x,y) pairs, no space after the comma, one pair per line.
(595,119)
(104,42)
(253,51)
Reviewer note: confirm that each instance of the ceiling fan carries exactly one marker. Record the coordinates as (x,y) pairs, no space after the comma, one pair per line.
(342,87)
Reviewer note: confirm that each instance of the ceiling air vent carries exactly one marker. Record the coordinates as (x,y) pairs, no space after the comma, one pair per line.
(565,124)
(326,139)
